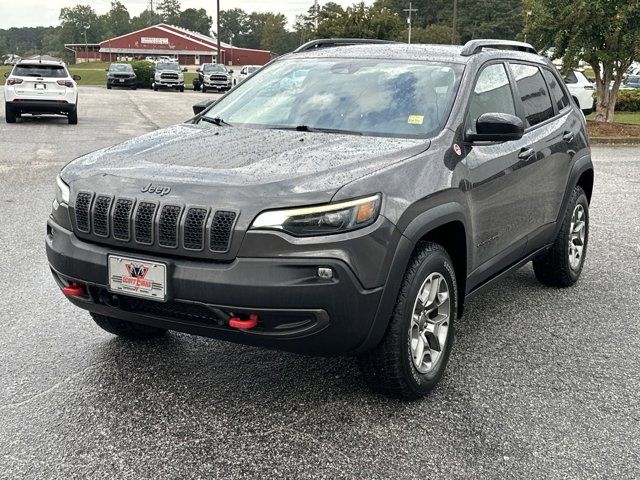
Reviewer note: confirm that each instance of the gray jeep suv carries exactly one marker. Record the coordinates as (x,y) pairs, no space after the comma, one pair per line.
(345,200)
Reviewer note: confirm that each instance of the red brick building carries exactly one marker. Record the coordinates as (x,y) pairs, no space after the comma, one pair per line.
(190,48)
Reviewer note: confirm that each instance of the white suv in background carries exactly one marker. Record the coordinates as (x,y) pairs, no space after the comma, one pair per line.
(41,87)
(247,71)
(581,89)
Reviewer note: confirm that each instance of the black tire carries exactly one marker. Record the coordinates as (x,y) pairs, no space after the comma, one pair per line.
(108,87)
(587,112)
(182,89)
(204,89)
(155,89)
(10,114)
(130,330)
(73,117)
(553,268)
(389,368)
(134,88)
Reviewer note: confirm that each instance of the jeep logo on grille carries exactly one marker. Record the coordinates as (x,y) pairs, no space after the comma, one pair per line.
(157,189)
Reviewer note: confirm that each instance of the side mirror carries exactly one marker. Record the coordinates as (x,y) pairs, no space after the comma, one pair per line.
(185,70)
(6,74)
(76,77)
(231,70)
(497,127)
(200,107)
(198,70)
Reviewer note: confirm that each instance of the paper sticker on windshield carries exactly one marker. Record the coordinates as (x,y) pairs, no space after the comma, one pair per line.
(415,119)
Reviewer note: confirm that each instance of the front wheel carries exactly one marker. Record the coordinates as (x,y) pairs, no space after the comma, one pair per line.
(204,89)
(130,330)
(412,356)
(561,265)
(181,89)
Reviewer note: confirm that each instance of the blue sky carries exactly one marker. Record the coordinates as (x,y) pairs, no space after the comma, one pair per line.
(32,13)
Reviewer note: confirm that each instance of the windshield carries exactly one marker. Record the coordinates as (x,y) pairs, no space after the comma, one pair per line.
(252,69)
(120,68)
(54,71)
(214,68)
(402,98)
(167,66)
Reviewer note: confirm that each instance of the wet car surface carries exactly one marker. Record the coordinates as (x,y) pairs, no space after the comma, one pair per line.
(542,381)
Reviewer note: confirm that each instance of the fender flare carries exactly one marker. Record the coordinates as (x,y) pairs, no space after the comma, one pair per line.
(421,225)
(582,165)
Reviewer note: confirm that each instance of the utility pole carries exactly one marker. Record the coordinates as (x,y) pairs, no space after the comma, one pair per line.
(218,29)
(151,17)
(455,21)
(410,10)
(316,11)
(86,45)
(526,23)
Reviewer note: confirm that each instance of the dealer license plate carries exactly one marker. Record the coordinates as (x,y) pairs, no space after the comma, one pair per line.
(40,86)
(138,278)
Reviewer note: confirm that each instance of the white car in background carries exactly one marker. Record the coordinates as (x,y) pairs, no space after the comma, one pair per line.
(247,71)
(41,87)
(581,89)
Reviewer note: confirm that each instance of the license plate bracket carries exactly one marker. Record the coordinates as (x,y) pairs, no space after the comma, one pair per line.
(137,277)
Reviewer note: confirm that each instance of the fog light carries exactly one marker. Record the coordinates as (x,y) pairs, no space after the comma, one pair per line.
(325,273)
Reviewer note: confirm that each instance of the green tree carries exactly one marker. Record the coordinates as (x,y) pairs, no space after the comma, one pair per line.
(74,21)
(234,23)
(196,20)
(274,35)
(170,11)
(438,34)
(116,21)
(145,19)
(604,33)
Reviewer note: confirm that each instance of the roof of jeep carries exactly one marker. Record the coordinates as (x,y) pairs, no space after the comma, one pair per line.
(422,52)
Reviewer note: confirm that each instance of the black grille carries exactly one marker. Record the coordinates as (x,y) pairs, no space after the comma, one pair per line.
(101,208)
(221,227)
(173,310)
(144,222)
(169,76)
(218,78)
(122,219)
(194,228)
(168,226)
(83,204)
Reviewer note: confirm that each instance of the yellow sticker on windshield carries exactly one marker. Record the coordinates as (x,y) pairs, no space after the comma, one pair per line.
(415,119)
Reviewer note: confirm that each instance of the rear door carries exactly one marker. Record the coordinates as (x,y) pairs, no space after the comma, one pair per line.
(551,132)
(498,171)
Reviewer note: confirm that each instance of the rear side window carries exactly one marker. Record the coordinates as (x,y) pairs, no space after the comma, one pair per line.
(533,93)
(492,94)
(557,93)
(55,71)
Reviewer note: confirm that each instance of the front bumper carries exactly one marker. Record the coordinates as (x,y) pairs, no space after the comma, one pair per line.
(122,82)
(217,85)
(169,83)
(299,311)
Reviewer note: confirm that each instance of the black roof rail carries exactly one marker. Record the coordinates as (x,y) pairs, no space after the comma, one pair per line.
(337,42)
(475,46)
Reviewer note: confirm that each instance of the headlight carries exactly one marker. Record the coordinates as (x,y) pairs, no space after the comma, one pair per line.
(322,220)
(62,192)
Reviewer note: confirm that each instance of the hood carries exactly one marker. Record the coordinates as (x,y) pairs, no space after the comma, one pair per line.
(226,160)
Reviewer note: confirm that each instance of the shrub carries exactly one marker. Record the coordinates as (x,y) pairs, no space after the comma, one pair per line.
(144,72)
(628,101)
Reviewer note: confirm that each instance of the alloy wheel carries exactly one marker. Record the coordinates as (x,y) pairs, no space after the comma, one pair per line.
(577,235)
(429,328)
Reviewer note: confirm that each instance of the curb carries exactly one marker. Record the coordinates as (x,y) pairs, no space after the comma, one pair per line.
(614,141)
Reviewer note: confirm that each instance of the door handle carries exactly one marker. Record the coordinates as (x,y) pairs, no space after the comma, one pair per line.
(568,137)
(526,154)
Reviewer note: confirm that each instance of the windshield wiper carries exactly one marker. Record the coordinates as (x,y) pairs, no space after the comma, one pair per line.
(307,128)
(216,121)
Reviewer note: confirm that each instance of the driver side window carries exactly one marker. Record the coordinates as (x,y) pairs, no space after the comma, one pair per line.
(492,94)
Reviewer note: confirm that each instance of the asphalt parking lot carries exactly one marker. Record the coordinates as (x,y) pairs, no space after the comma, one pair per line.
(542,382)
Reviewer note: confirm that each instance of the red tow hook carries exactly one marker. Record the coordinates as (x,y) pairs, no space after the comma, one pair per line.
(240,324)
(74,289)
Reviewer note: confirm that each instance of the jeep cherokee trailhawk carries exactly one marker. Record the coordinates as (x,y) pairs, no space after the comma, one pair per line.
(344,200)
